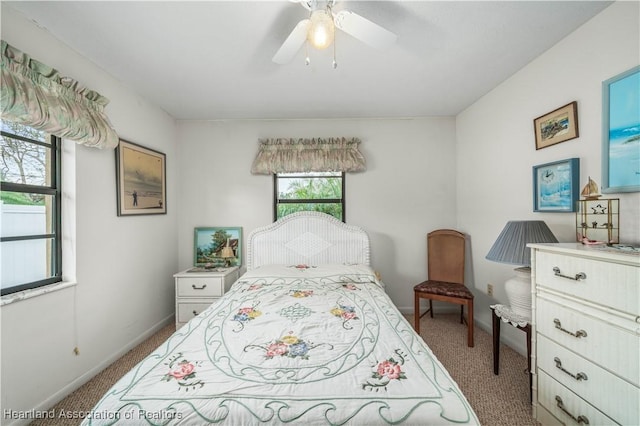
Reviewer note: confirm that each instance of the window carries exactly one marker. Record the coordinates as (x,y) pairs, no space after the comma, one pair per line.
(30,237)
(315,191)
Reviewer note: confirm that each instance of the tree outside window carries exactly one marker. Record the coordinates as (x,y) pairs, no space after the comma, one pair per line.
(314,191)
(30,204)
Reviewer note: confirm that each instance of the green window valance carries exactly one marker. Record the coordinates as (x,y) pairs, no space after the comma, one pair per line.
(36,95)
(308,155)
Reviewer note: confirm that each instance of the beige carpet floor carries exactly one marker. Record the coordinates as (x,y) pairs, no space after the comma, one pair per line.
(497,400)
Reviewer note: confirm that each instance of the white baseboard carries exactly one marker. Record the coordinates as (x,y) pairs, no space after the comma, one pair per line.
(78,382)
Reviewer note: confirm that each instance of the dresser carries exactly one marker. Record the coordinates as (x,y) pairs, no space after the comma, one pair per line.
(195,291)
(585,335)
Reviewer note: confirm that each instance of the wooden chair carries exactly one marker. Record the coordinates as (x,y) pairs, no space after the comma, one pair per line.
(445,283)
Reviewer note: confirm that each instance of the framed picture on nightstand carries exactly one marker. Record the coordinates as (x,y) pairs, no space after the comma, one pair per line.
(217,247)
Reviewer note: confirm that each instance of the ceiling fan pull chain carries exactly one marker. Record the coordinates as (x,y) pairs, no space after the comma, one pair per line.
(307,60)
(335,64)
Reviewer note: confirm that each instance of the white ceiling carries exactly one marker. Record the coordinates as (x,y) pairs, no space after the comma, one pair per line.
(212,59)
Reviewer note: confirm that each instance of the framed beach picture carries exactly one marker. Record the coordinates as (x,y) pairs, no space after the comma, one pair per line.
(216,247)
(621,132)
(556,186)
(140,179)
(557,126)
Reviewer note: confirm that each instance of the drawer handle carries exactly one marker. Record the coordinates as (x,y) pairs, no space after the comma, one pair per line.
(578,377)
(195,314)
(195,287)
(578,334)
(579,276)
(580,419)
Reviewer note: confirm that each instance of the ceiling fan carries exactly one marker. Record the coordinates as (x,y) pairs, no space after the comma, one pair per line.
(318,30)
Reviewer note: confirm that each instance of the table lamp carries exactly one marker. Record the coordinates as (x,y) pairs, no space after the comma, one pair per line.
(511,247)
(227,254)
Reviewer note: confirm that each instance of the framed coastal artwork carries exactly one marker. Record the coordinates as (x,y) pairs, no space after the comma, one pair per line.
(140,179)
(556,186)
(557,126)
(215,247)
(621,132)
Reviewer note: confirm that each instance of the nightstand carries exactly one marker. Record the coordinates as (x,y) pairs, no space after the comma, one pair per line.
(196,291)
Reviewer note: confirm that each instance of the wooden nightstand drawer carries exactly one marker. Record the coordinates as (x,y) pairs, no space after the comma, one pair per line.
(188,311)
(200,287)
(621,401)
(609,284)
(566,327)
(567,406)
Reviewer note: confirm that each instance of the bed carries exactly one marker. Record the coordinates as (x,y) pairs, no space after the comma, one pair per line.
(306,336)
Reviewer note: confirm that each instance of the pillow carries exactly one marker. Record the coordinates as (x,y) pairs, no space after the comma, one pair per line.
(348,273)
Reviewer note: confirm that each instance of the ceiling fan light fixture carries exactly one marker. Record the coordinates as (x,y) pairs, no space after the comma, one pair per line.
(322,30)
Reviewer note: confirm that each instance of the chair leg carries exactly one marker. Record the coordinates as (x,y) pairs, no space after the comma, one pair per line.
(470,323)
(461,314)
(431,307)
(416,312)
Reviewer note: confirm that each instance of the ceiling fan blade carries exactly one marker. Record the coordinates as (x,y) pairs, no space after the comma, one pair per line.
(364,30)
(292,44)
(307,4)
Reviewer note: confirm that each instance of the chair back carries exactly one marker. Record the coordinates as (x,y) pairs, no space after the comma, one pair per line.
(445,256)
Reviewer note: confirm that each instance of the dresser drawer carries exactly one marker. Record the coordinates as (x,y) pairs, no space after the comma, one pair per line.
(200,287)
(610,284)
(566,405)
(188,311)
(617,398)
(604,344)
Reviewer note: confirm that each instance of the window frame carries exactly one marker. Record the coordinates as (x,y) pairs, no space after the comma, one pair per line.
(54,189)
(277,200)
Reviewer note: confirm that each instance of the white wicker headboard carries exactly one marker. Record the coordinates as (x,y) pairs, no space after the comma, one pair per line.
(307,238)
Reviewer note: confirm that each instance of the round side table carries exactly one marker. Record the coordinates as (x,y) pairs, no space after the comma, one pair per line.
(502,313)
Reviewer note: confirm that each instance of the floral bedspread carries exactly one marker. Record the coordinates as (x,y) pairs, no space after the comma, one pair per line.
(291,344)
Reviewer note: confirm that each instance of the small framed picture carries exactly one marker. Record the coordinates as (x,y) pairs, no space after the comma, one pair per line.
(621,132)
(216,247)
(140,180)
(556,186)
(557,126)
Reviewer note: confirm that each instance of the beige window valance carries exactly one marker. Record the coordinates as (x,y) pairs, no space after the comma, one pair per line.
(308,155)
(36,95)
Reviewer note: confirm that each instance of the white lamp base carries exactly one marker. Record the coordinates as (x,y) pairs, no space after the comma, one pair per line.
(518,289)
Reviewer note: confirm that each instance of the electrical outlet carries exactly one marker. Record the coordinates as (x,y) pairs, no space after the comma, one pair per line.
(490,289)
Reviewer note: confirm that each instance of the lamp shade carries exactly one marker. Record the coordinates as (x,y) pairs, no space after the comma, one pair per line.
(227,252)
(511,245)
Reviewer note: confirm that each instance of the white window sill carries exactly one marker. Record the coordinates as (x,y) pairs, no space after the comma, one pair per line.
(34,292)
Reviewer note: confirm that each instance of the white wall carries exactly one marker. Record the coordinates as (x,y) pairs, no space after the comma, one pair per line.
(407,190)
(496,149)
(124,264)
